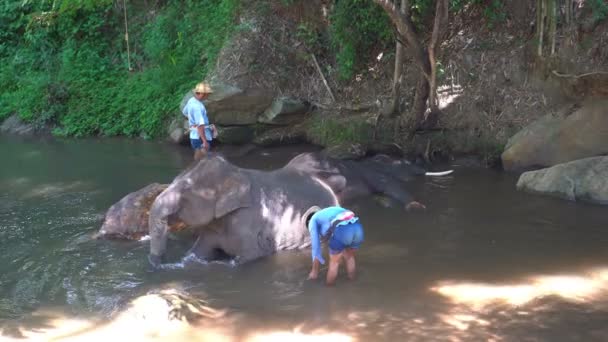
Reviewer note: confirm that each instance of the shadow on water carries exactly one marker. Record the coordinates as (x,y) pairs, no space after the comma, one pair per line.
(483,262)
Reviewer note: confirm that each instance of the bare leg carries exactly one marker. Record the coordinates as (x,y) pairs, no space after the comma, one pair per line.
(332,272)
(349,257)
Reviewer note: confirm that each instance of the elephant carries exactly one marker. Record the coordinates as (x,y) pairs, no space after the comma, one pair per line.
(351,179)
(242,213)
(246,214)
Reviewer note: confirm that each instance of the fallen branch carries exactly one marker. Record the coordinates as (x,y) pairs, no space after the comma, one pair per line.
(314,59)
(556,73)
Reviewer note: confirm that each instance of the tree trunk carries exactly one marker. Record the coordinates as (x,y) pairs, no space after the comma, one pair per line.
(420,102)
(552,22)
(539,26)
(399,54)
(406,30)
(441,16)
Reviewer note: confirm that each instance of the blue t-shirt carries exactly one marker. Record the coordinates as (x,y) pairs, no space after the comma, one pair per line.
(196,113)
(320,223)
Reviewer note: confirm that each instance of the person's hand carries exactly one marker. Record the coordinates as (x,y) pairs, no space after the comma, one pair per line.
(413,205)
(313,275)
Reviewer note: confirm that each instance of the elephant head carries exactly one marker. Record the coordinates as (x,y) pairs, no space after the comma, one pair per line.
(210,190)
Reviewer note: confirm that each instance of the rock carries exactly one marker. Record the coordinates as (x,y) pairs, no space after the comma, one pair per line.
(236,135)
(346,151)
(285,111)
(281,136)
(179,132)
(580,180)
(231,106)
(561,138)
(14,125)
(128,218)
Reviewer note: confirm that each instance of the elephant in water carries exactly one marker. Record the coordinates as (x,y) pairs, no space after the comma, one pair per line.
(237,212)
(247,214)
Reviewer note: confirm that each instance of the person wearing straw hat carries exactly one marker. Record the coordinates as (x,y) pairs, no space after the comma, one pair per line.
(201,132)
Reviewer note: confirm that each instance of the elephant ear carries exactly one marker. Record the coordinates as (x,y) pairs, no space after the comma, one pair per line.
(233,192)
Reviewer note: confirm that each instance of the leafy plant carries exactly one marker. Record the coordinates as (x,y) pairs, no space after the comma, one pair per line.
(356,27)
(71,69)
(331,131)
(599,8)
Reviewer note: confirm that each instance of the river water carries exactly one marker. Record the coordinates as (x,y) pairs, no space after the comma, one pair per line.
(483,262)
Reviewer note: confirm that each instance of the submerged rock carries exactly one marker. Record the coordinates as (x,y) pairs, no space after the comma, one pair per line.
(580,180)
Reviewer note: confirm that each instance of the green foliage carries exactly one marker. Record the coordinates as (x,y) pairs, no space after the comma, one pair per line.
(356,27)
(307,34)
(599,8)
(495,12)
(329,131)
(71,67)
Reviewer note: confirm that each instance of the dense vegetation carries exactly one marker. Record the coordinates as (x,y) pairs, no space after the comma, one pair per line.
(66,62)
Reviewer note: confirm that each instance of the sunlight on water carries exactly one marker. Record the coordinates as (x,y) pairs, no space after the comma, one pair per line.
(168,315)
(296,336)
(578,288)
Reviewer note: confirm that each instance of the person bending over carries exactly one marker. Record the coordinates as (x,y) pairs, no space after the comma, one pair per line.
(343,232)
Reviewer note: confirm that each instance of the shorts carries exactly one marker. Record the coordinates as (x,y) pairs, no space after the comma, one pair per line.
(198,143)
(346,236)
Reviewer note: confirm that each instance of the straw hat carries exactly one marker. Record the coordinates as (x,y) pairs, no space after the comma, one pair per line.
(203,88)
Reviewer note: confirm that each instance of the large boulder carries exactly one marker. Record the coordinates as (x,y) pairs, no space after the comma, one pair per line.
(235,135)
(179,132)
(285,111)
(14,125)
(229,105)
(560,138)
(580,180)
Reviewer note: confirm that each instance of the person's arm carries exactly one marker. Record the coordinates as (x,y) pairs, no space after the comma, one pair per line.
(201,134)
(317,257)
(314,273)
(199,120)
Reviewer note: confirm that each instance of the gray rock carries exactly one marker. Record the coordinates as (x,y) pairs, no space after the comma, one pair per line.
(232,106)
(285,111)
(561,138)
(14,125)
(236,135)
(580,180)
(179,130)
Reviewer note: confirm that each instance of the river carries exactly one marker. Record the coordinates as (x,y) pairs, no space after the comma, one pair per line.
(483,262)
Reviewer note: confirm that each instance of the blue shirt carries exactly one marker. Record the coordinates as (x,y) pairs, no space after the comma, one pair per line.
(196,113)
(320,223)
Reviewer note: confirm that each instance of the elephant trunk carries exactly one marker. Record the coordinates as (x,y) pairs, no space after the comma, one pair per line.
(159,230)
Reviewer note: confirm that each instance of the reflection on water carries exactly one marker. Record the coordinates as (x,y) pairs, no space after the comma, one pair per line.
(482,263)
